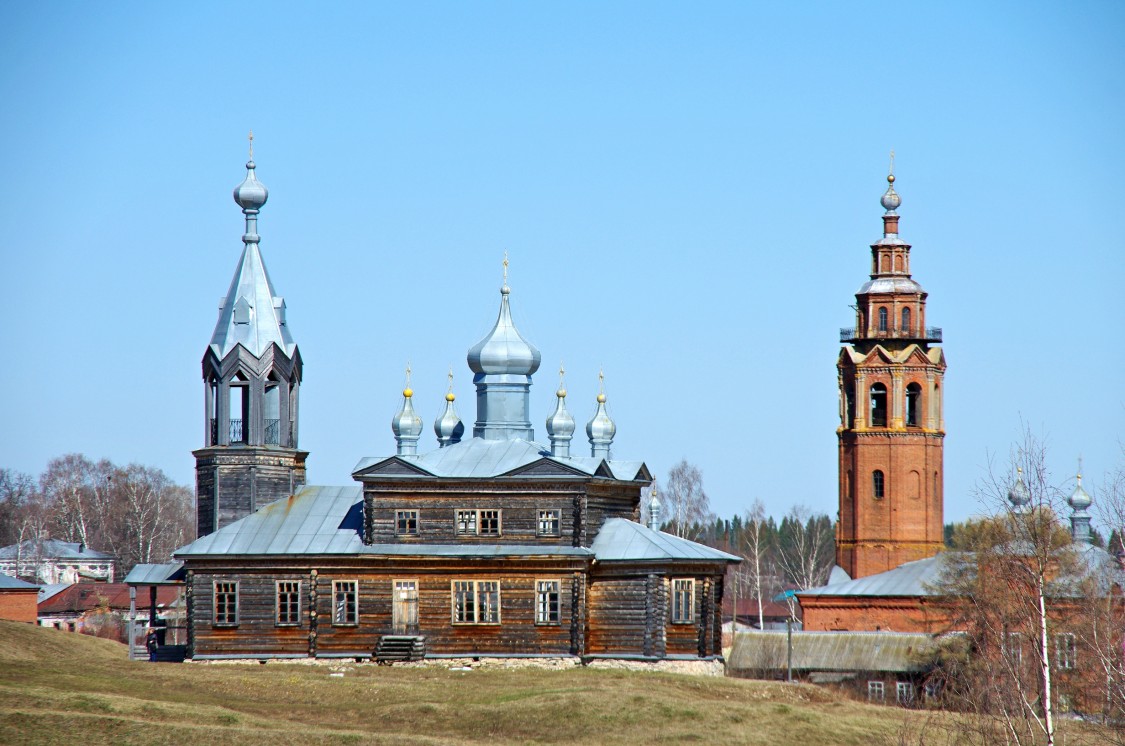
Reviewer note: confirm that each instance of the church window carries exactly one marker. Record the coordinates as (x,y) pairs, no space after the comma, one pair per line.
(239,411)
(345,602)
(476,602)
(547,602)
(882,318)
(288,602)
(1066,650)
(478,522)
(467,522)
(913,402)
(406,522)
(877,484)
(874,691)
(878,405)
(226,602)
(489,523)
(906,320)
(548,524)
(271,413)
(683,601)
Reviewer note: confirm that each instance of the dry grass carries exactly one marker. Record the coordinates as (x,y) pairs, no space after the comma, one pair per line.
(56,687)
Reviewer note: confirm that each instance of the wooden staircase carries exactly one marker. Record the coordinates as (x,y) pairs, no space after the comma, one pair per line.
(400,648)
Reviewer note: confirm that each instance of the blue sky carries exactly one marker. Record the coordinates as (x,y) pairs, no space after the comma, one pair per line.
(687,193)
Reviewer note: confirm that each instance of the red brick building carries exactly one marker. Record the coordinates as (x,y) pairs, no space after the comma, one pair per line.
(17,599)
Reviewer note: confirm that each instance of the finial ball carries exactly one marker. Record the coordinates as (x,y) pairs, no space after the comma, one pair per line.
(450,396)
(561,393)
(891,178)
(408,392)
(601,398)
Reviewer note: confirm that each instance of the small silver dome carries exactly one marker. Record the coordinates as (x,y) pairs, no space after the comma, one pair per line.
(1079,499)
(448,428)
(251,194)
(406,425)
(1018,495)
(890,199)
(504,350)
(600,429)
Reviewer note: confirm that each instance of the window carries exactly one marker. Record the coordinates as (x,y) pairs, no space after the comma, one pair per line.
(906,320)
(904,693)
(932,689)
(683,601)
(547,602)
(877,484)
(406,523)
(288,602)
(878,405)
(913,398)
(548,523)
(226,602)
(874,691)
(1066,649)
(489,523)
(1014,649)
(478,522)
(345,606)
(476,602)
(882,318)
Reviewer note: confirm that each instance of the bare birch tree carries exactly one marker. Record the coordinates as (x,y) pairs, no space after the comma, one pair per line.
(757,549)
(807,546)
(686,502)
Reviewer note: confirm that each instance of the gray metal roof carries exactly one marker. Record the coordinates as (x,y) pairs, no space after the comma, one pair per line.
(7,582)
(890,285)
(53,549)
(908,579)
(627,541)
(480,458)
(164,574)
(264,321)
(830,651)
(52,589)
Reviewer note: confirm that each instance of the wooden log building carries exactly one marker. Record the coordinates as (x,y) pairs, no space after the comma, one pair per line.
(494,545)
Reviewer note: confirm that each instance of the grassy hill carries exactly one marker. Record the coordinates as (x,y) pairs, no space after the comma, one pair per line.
(58,687)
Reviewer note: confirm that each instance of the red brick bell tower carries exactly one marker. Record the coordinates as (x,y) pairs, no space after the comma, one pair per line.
(891,428)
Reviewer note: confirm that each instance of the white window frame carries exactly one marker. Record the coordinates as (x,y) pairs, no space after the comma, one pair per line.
(338,588)
(904,693)
(481,605)
(876,692)
(683,589)
(469,522)
(1066,650)
(548,517)
(548,602)
(230,619)
(278,605)
(399,520)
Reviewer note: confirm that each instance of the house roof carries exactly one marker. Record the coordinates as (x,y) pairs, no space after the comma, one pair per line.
(8,583)
(81,597)
(830,651)
(46,591)
(622,540)
(481,458)
(910,579)
(53,549)
(163,574)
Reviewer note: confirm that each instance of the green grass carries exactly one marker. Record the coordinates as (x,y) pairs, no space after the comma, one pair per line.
(57,687)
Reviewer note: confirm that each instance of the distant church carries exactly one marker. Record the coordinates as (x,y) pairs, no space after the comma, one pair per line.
(489,545)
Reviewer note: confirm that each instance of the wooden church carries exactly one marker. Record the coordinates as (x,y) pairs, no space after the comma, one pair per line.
(492,545)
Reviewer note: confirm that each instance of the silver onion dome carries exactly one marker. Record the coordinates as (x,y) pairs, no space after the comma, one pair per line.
(504,350)
(890,199)
(449,427)
(600,429)
(560,425)
(1079,499)
(406,425)
(1018,495)
(251,194)
(654,511)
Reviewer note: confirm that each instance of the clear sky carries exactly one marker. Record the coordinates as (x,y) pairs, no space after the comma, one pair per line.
(687,193)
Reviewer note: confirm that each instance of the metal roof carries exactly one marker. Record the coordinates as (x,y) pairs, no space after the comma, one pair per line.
(830,651)
(908,579)
(480,458)
(260,318)
(53,549)
(7,582)
(164,574)
(623,540)
(51,589)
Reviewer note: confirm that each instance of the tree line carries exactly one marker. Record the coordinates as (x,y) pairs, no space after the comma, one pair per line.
(135,513)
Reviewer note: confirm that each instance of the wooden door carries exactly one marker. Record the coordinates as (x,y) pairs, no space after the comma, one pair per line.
(405,607)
